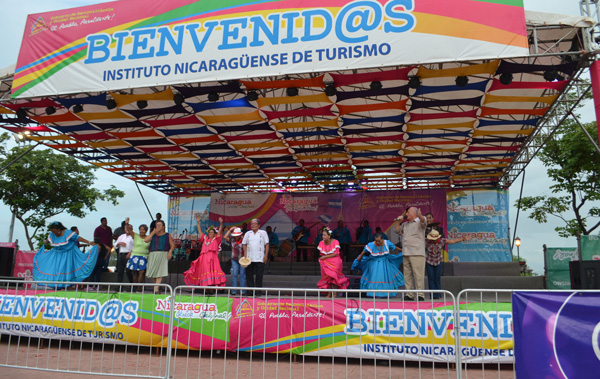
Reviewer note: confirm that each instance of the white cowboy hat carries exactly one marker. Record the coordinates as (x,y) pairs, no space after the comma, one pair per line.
(237,232)
(434,235)
(245,262)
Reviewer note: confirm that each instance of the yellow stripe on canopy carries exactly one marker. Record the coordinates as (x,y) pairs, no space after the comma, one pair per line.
(173,156)
(128,99)
(395,146)
(414,127)
(483,132)
(332,123)
(252,116)
(519,99)
(6,111)
(105,164)
(459,167)
(111,143)
(476,176)
(477,69)
(433,151)
(257,145)
(321,156)
(115,114)
(318,98)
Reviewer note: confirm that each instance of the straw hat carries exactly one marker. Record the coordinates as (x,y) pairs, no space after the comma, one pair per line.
(237,232)
(434,235)
(245,262)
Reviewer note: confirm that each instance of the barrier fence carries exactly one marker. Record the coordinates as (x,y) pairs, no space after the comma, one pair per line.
(190,332)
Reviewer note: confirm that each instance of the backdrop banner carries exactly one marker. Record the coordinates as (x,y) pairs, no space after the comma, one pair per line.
(483,215)
(558,334)
(557,264)
(360,329)
(284,211)
(137,43)
(24,264)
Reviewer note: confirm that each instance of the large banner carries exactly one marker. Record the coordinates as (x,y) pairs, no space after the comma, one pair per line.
(136,43)
(24,264)
(367,328)
(284,211)
(557,264)
(557,334)
(590,248)
(483,215)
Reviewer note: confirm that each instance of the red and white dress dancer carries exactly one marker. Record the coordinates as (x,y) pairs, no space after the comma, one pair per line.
(331,264)
(206,270)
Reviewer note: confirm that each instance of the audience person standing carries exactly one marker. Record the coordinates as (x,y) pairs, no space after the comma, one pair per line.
(161,251)
(137,261)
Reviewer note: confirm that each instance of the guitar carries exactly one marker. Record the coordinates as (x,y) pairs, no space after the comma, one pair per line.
(299,235)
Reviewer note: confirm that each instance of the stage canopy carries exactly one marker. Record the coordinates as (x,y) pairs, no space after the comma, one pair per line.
(435,124)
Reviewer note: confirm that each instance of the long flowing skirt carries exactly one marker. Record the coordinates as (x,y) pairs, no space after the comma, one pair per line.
(380,273)
(331,274)
(205,271)
(64,265)
(158,264)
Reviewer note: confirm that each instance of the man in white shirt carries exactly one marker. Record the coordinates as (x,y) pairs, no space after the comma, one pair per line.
(412,230)
(125,245)
(256,246)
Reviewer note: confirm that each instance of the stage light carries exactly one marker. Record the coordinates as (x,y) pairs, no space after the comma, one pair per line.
(291,91)
(141,104)
(462,81)
(551,75)
(21,113)
(252,95)
(178,99)
(213,96)
(376,86)
(414,82)
(506,78)
(50,111)
(330,90)
(78,108)
(111,104)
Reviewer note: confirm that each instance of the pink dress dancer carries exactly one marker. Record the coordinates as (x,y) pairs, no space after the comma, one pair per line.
(331,266)
(206,270)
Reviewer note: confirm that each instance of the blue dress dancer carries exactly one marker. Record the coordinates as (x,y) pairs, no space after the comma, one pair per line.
(64,262)
(380,267)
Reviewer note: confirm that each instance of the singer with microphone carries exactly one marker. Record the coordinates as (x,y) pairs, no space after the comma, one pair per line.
(411,226)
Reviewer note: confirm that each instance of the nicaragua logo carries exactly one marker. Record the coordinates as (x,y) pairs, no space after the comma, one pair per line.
(38,26)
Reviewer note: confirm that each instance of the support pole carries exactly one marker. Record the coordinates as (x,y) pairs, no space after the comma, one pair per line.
(595,75)
(586,132)
(144,200)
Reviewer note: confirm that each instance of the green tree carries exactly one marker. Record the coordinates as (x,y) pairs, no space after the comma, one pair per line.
(573,165)
(43,183)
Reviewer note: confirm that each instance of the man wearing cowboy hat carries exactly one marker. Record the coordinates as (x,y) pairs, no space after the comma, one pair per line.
(238,264)
(433,247)
(256,247)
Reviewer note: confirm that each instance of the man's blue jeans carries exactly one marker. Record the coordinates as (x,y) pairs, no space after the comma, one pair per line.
(434,277)
(237,270)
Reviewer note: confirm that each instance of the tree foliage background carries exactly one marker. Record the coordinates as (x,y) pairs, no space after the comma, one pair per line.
(573,165)
(43,183)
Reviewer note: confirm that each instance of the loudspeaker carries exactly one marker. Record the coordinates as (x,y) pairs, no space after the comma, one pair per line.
(585,275)
(6,261)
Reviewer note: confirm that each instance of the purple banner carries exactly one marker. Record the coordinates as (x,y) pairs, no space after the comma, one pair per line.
(557,334)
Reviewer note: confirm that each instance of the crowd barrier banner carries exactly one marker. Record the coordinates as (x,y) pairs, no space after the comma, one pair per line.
(284,211)
(483,215)
(131,44)
(557,264)
(119,318)
(558,334)
(346,327)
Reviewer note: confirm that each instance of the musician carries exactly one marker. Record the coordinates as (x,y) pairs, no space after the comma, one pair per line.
(342,234)
(432,225)
(273,246)
(300,235)
(364,233)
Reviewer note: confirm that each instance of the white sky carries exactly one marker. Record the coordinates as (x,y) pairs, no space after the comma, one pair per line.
(12,25)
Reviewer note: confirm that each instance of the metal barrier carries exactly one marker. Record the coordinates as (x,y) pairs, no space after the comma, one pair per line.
(84,329)
(189,332)
(487,343)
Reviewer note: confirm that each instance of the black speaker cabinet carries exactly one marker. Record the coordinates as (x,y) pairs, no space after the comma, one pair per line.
(6,261)
(585,275)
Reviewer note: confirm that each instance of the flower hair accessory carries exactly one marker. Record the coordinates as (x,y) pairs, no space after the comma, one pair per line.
(211,228)
(326,229)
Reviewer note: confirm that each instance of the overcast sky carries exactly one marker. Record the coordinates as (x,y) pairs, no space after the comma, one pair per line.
(12,24)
